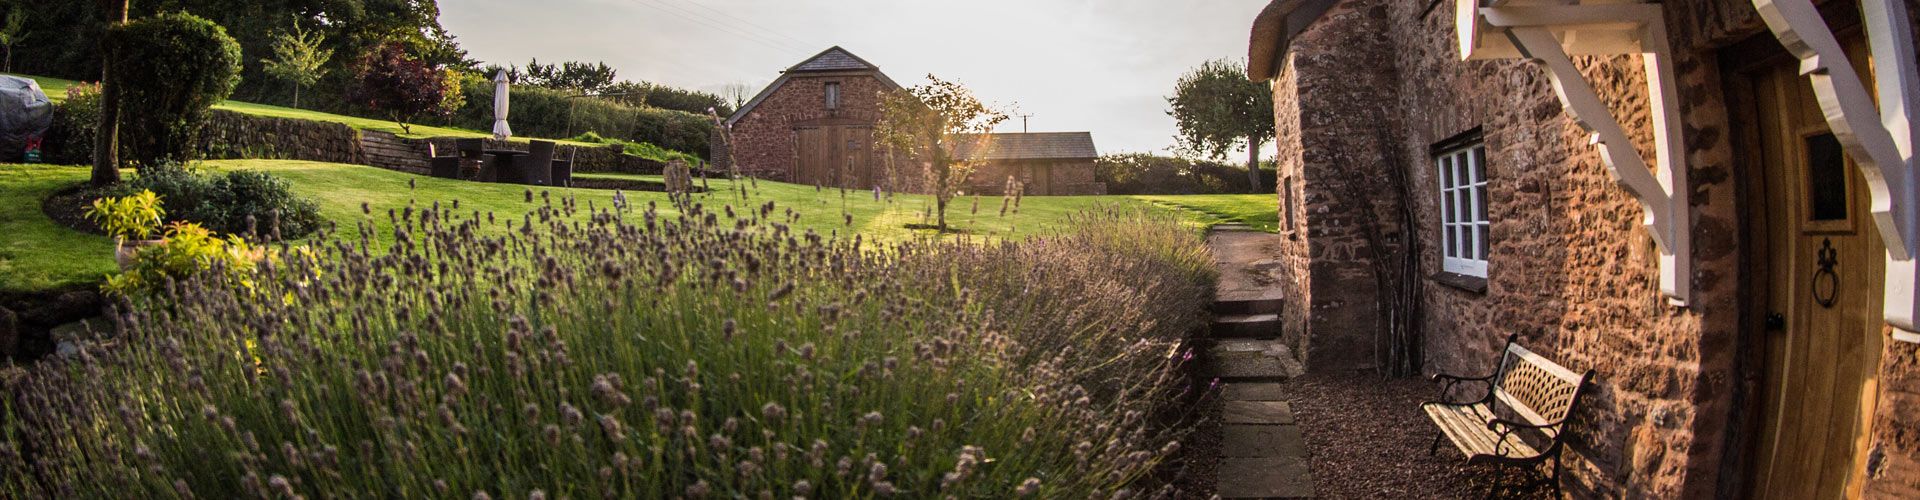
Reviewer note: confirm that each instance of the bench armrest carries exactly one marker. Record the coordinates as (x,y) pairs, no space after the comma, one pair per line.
(1453,380)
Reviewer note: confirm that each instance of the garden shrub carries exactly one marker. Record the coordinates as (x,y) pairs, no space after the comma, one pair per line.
(641,149)
(541,112)
(568,359)
(191,251)
(170,69)
(223,202)
(1142,173)
(70,139)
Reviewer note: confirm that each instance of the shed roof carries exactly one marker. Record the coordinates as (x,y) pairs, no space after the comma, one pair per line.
(1274,28)
(1030,146)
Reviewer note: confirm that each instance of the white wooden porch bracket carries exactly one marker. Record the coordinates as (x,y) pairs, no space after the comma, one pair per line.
(1549,33)
(1879,139)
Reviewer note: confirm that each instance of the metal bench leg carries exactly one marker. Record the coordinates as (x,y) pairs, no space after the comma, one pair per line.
(1435,447)
(1554,482)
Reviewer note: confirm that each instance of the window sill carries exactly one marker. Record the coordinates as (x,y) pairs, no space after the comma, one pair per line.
(1473,284)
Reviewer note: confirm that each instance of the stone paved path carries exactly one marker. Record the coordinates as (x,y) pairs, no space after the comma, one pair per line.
(1262,452)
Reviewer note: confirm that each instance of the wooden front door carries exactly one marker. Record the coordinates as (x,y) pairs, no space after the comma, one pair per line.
(1824,268)
(833,155)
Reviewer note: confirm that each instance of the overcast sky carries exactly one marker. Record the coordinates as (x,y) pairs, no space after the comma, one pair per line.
(1096,65)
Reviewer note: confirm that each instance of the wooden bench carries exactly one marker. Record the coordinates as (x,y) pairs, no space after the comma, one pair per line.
(1520,419)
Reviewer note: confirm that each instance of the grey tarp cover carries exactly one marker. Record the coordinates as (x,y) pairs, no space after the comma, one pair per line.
(25,113)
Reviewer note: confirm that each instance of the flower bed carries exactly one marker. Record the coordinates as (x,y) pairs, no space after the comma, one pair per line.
(635,356)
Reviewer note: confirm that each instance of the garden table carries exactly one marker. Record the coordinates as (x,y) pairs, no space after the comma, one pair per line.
(505,168)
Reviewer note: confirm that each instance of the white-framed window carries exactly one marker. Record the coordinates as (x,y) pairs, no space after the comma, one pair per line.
(1461,169)
(833,95)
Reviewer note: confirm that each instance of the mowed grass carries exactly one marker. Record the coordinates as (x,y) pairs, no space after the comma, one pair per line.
(56,90)
(37,253)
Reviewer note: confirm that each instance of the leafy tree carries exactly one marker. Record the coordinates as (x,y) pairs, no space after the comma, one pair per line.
(12,33)
(575,76)
(1218,110)
(737,94)
(299,57)
(62,45)
(106,140)
(394,82)
(933,124)
(171,68)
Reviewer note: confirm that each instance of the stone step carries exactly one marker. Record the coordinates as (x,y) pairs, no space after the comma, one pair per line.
(1283,477)
(1247,306)
(1252,359)
(1246,326)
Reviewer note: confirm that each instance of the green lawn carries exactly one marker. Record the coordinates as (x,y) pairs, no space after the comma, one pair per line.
(35,252)
(56,90)
(39,254)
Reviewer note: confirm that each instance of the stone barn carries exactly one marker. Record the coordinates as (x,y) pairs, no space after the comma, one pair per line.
(1041,163)
(814,125)
(1710,203)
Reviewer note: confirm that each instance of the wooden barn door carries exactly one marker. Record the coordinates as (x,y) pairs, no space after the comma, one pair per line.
(814,151)
(834,156)
(1824,270)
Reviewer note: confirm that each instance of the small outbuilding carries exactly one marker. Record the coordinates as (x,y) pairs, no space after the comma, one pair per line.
(814,125)
(1043,163)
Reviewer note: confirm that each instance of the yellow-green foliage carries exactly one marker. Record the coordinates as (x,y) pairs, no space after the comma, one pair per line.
(137,215)
(190,250)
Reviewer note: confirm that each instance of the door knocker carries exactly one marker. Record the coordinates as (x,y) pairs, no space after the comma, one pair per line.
(1826,283)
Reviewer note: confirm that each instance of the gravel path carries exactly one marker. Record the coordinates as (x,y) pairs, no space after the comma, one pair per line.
(1366,438)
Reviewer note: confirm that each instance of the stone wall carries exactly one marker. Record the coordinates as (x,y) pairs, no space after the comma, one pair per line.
(230,135)
(234,135)
(1041,177)
(764,138)
(1341,82)
(1570,271)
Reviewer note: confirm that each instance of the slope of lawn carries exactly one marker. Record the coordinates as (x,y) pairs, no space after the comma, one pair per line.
(36,253)
(1257,210)
(56,90)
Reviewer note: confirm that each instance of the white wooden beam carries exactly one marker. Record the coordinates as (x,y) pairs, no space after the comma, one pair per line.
(1662,197)
(1880,138)
(1550,33)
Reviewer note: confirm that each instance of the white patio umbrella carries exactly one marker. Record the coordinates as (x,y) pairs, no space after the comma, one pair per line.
(500,129)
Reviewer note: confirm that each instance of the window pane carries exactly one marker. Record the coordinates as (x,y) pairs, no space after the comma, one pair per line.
(1480,231)
(1826,178)
(1461,211)
(1479,164)
(1480,204)
(1460,171)
(1453,243)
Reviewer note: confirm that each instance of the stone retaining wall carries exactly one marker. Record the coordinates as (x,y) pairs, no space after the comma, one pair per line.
(234,135)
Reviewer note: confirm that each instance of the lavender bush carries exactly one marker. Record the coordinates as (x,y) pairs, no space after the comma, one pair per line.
(705,355)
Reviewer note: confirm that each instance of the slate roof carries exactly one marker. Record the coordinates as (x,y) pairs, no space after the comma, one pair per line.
(1033,146)
(834,59)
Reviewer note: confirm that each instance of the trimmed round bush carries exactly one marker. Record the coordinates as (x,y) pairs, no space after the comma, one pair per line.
(223,202)
(169,69)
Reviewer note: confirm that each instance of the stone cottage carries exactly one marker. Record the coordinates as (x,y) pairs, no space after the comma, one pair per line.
(1697,199)
(814,125)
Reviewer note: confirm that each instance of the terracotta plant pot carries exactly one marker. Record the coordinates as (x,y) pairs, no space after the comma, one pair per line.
(124,250)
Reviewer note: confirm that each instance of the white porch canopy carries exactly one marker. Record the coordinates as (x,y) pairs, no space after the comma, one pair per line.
(1881,141)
